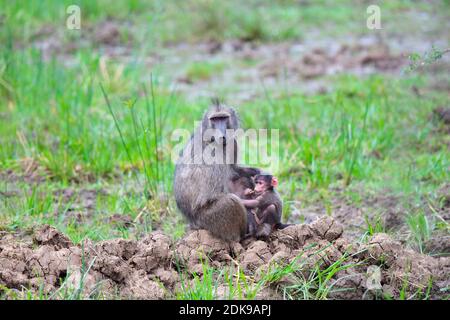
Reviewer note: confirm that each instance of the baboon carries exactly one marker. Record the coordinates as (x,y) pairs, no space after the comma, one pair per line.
(265,207)
(202,190)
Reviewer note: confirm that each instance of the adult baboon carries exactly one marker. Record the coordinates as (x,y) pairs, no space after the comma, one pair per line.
(202,189)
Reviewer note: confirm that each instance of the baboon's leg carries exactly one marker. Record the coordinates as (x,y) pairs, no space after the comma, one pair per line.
(226,218)
(263,231)
(269,215)
(251,224)
(268,221)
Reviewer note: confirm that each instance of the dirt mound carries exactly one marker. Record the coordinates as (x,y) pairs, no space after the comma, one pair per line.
(157,268)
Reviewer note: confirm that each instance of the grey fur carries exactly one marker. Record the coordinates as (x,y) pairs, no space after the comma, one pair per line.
(202,191)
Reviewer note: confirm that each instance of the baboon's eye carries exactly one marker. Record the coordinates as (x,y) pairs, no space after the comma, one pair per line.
(218,116)
(220,123)
(215,119)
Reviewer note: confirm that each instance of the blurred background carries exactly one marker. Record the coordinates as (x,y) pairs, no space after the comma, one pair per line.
(91,91)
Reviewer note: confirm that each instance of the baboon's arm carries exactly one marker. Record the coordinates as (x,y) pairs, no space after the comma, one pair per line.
(250,203)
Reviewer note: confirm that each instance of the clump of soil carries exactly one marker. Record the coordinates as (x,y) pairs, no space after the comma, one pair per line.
(155,267)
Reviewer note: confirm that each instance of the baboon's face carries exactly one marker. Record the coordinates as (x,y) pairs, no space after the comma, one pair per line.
(220,118)
(261,186)
(241,184)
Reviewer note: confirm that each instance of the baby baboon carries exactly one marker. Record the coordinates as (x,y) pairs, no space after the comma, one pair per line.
(267,207)
(202,190)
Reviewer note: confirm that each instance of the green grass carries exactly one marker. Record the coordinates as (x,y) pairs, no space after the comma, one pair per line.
(374,225)
(203,70)
(420,228)
(167,21)
(318,281)
(367,133)
(89,122)
(300,278)
(360,133)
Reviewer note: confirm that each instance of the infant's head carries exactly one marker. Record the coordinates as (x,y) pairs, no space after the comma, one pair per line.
(264,182)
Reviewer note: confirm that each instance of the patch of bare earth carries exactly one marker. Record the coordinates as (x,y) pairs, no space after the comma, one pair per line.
(28,171)
(150,268)
(250,66)
(301,65)
(106,35)
(382,210)
(80,204)
(386,208)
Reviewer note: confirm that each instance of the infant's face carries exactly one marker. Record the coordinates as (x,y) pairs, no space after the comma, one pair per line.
(260,186)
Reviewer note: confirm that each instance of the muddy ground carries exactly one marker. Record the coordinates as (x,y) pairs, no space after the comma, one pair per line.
(305,65)
(385,208)
(46,262)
